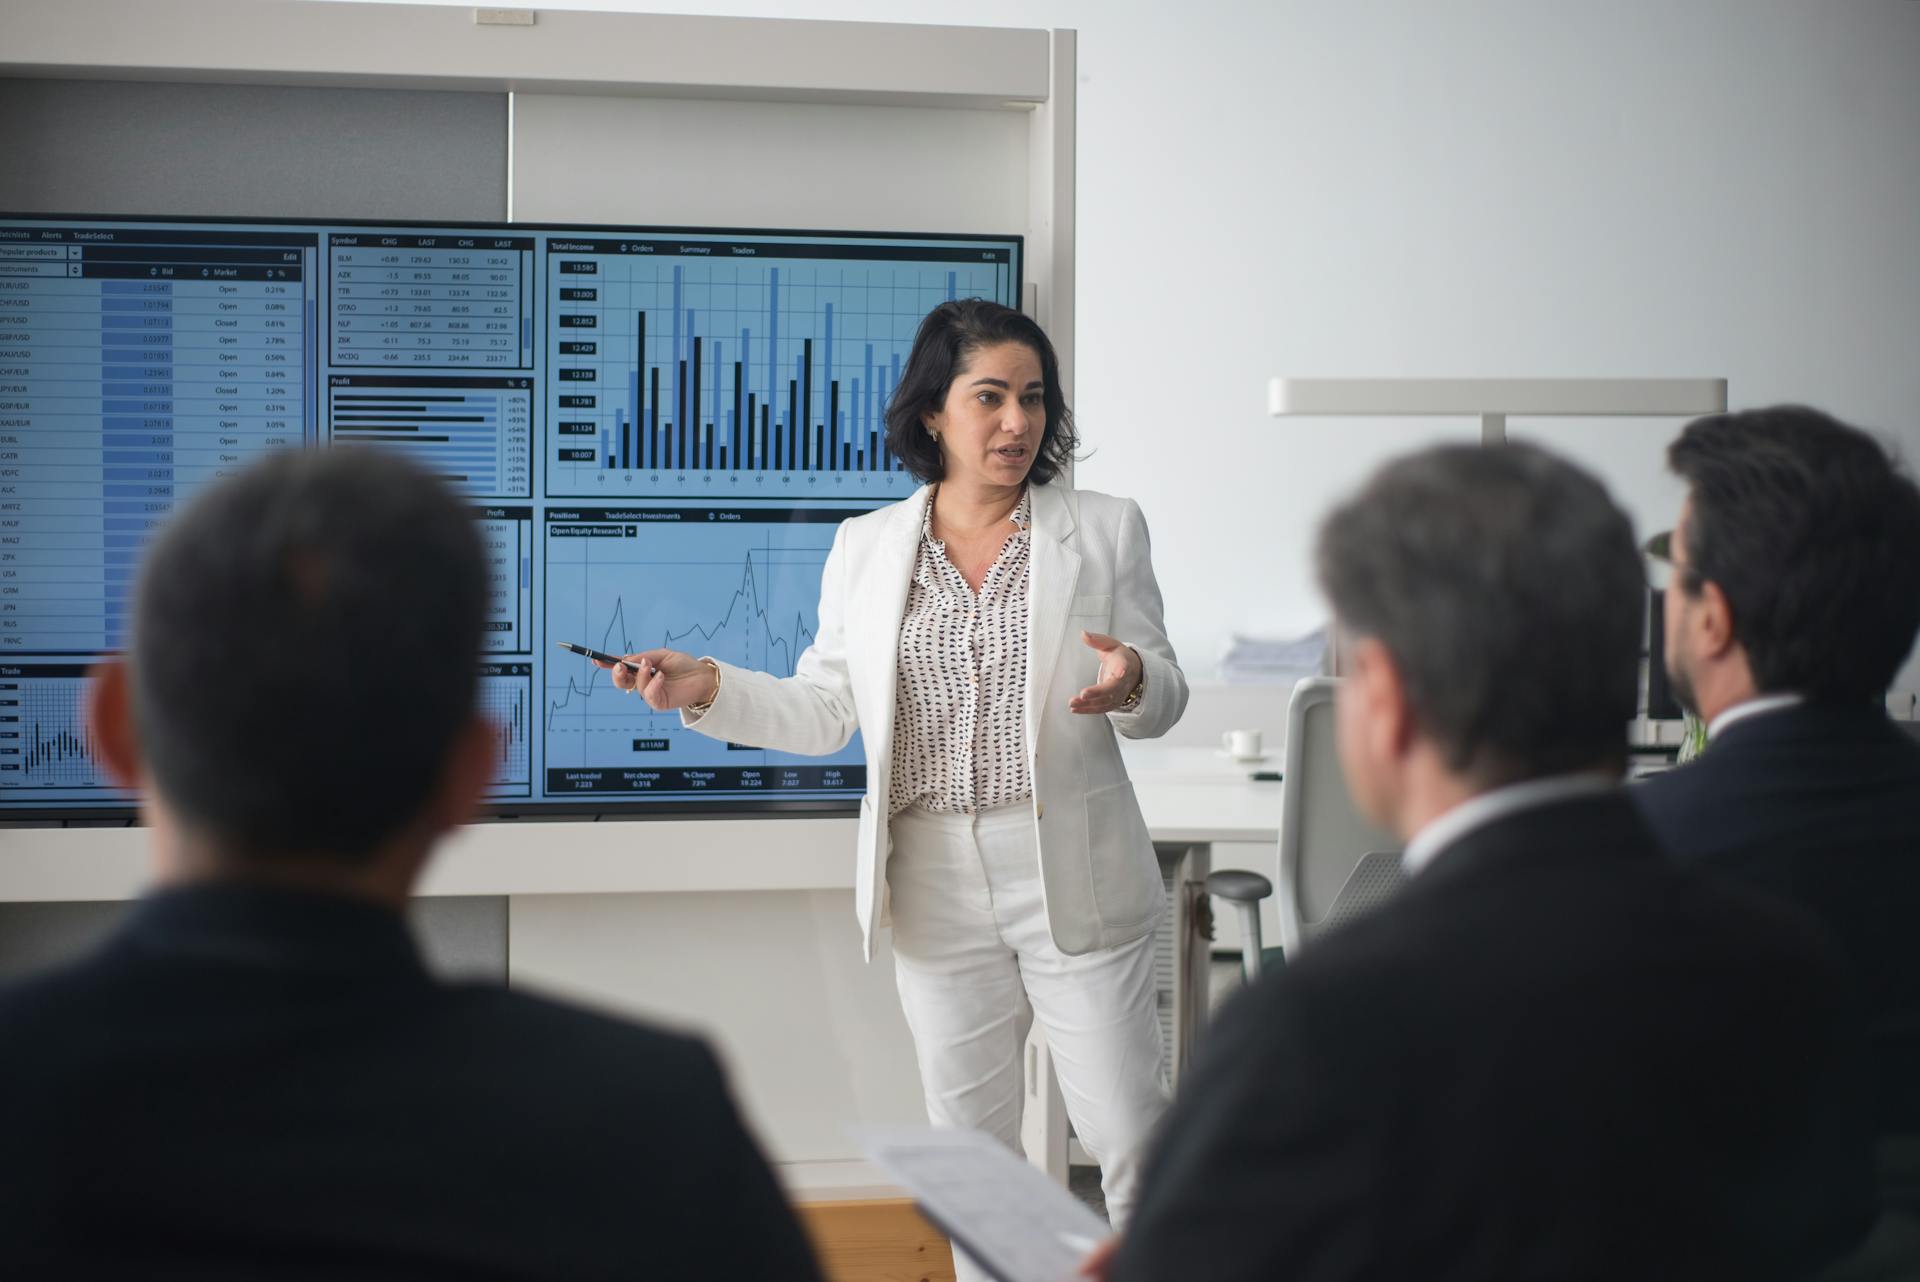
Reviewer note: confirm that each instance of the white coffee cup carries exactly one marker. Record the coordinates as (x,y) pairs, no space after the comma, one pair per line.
(1244,744)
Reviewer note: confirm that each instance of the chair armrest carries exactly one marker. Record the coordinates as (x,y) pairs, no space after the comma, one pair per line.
(1239,885)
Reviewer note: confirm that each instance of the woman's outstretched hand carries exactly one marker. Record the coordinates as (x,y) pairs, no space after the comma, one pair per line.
(1119,674)
(666,679)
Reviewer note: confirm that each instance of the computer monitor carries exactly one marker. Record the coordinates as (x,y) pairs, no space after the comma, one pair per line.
(658,428)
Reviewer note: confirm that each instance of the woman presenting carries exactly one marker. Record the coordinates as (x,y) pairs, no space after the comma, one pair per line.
(989,635)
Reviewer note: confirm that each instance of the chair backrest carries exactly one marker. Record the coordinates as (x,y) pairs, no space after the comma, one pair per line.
(1334,865)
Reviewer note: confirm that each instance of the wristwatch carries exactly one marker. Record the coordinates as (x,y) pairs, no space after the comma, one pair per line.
(1132,701)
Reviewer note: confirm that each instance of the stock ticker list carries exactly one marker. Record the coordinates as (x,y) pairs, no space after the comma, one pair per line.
(134,371)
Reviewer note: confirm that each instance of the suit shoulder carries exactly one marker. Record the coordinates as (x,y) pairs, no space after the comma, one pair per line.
(70,1015)
(1670,802)
(567,1034)
(1767,925)
(867,520)
(1378,952)
(1109,508)
(1690,777)
(1109,516)
(1654,794)
(49,999)
(1904,748)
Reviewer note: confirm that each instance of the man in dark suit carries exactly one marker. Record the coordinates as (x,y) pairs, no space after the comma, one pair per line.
(1554,1055)
(1793,600)
(256,1077)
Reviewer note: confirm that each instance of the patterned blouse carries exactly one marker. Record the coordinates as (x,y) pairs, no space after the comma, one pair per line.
(960,722)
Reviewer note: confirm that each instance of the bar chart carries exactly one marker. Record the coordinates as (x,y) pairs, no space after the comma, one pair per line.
(506,695)
(44,741)
(475,432)
(762,375)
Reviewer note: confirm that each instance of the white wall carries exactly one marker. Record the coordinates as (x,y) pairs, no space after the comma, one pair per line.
(1346,187)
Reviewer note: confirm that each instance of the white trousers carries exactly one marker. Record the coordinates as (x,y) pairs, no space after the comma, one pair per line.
(972,955)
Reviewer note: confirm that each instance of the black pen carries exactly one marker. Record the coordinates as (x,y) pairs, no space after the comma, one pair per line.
(599,655)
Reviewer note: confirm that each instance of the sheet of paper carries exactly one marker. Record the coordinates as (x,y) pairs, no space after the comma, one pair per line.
(1018,1224)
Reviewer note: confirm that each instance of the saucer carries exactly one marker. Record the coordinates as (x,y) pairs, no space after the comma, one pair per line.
(1254,760)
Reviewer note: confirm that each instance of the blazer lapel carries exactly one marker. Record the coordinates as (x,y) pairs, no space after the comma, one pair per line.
(1053,573)
(880,602)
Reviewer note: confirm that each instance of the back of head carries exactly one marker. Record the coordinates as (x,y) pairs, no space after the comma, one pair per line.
(1506,586)
(305,653)
(1813,535)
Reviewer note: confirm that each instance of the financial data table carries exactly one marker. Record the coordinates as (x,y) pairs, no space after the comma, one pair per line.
(130,375)
(431,300)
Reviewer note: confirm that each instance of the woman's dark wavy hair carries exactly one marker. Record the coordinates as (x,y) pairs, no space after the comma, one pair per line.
(951,333)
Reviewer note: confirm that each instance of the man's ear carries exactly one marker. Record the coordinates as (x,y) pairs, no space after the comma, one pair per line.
(1382,694)
(470,768)
(110,722)
(1713,622)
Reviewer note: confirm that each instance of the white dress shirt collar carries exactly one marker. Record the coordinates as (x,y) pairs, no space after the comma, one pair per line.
(1752,708)
(1479,811)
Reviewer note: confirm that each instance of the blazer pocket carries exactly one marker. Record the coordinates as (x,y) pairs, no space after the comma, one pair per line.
(1127,887)
(1101,605)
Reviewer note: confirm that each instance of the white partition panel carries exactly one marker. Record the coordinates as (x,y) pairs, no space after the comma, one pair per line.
(771,165)
(446,47)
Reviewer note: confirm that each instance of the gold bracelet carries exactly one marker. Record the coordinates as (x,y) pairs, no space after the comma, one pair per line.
(1132,701)
(701,709)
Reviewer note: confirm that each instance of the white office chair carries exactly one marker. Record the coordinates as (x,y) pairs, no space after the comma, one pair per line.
(1334,865)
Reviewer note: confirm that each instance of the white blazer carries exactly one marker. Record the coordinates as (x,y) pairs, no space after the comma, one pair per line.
(1089,568)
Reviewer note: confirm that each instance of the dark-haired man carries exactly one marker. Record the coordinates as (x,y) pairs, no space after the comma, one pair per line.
(1795,596)
(1554,1054)
(256,1077)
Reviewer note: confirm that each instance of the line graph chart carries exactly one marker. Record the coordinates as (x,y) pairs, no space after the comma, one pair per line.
(739,584)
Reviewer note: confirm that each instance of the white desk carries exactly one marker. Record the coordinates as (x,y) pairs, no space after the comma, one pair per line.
(1196,796)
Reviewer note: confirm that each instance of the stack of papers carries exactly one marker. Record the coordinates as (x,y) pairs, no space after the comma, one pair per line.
(1016,1223)
(1274,660)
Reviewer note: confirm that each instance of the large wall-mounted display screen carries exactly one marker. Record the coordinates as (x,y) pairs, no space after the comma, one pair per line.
(658,429)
